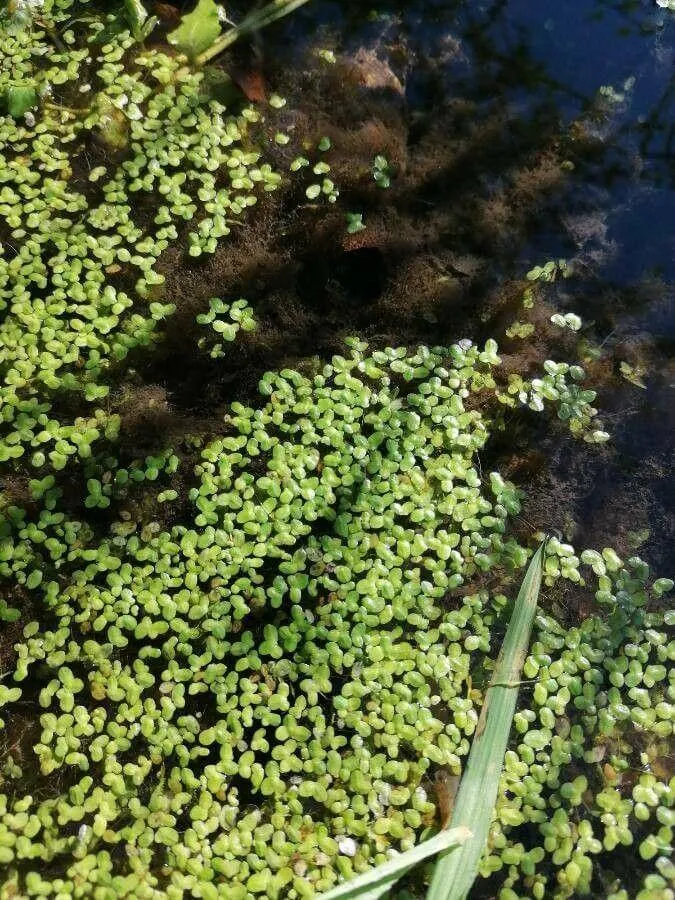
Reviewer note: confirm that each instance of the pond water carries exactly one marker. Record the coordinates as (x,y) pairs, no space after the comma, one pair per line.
(481,104)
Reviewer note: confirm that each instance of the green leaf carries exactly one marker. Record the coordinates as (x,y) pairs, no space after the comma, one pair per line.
(378,881)
(354,222)
(34,579)
(20,99)
(198,30)
(137,15)
(455,873)
(95,391)
(8,613)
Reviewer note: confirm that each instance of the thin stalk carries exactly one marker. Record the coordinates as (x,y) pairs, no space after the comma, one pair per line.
(255,20)
(377,882)
(455,872)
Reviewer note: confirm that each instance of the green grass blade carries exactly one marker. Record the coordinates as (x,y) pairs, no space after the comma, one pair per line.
(455,872)
(253,22)
(378,881)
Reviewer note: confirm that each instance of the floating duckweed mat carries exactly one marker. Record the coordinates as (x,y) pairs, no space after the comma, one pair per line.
(250,705)
(115,150)
(254,700)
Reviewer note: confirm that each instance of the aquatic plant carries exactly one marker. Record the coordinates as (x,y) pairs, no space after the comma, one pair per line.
(633,374)
(559,385)
(141,23)
(319,611)
(455,872)
(568,320)
(378,882)
(200,36)
(169,154)
(325,187)
(241,318)
(354,222)
(236,677)
(381,171)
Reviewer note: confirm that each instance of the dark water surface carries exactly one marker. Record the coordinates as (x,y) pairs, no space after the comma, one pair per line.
(535,84)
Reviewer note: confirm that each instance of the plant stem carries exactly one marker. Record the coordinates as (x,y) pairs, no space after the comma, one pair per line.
(258,19)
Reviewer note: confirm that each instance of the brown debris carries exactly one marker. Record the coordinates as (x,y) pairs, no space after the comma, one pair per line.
(366,69)
(168,14)
(251,83)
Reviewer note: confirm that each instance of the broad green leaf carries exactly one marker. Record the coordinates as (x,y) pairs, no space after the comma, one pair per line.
(20,99)
(8,614)
(198,30)
(136,14)
(378,881)
(455,873)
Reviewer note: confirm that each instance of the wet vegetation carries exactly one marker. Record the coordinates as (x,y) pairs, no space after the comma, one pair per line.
(304,347)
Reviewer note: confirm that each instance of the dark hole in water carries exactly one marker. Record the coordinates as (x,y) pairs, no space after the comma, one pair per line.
(354,276)
(362,273)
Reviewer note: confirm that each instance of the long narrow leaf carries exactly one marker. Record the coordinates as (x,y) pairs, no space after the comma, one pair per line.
(455,872)
(255,20)
(378,881)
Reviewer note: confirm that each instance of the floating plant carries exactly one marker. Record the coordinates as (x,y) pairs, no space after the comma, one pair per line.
(233,666)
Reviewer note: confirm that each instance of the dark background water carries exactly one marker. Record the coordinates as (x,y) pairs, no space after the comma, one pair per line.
(562,51)
(518,132)
(614,218)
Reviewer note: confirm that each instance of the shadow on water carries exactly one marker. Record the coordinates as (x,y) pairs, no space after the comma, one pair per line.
(515,133)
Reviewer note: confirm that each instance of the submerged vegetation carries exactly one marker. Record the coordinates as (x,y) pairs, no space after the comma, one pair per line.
(237,662)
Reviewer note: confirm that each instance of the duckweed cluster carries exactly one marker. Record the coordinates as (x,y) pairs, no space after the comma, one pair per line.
(253,700)
(80,287)
(241,316)
(236,701)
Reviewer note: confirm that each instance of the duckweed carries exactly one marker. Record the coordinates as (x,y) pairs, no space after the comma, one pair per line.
(68,323)
(238,700)
(253,699)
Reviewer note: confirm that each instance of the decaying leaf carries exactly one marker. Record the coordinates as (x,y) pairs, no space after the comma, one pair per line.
(112,129)
(251,83)
(167,13)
